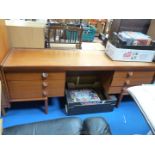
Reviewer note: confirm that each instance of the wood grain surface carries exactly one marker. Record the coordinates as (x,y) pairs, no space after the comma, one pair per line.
(33,59)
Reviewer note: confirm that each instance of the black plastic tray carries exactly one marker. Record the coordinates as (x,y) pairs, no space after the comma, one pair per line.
(106,105)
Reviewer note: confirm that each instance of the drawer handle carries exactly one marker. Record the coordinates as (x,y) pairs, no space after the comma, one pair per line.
(45,84)
(130,74)
(44,75)
(127,82)
(45,93)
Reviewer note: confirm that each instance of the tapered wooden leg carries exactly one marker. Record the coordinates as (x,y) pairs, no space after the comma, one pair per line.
(46,106)
(119,99)
(3,112)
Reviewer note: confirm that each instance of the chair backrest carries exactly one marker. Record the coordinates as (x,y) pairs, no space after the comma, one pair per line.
(64,34)
(138,25)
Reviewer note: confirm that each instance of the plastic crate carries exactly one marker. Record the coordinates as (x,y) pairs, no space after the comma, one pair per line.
(88,33)
(74,105)
(74,38)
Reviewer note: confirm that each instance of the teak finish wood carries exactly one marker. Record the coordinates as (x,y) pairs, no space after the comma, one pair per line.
(63,60)
(114,90)
(25,89)
(4,49)
(42,72)
(33,85)
(4,45)
(133,74)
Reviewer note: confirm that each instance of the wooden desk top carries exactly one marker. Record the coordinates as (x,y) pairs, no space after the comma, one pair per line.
(42,59)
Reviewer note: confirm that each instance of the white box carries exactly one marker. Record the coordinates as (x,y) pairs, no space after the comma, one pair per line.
(120,54)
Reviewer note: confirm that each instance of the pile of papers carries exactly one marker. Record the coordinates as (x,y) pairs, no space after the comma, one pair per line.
(135,38)
(84,95)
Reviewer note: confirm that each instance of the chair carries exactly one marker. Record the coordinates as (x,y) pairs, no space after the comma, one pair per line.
(137,25)
(64,34)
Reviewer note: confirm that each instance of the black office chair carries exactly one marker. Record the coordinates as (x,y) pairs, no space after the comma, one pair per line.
(62,126)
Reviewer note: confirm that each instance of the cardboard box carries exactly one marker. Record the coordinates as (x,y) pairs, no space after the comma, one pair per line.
(25,34)
(120,54)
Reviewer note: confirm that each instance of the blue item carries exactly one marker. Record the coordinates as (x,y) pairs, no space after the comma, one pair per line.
(73,38)
(88,33)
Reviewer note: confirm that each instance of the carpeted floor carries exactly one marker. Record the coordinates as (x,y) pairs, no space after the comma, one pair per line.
(125,120)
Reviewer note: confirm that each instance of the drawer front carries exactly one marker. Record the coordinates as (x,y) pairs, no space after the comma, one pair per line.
(57,76)
(118,82)
(35,85)
(34,76)
(56,92)
(139,81)
(142,75)
(130,81)
(120,74)
(56,88)
(23,76)
(133,74)
(25,89)
(131,78)
(114,90)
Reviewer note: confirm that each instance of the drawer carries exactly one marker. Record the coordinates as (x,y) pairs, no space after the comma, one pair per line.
(120,74)
(142,74)
(34,76)
(56,88)
(131,81)
(133,74)
(57,76)
(23,76)
(115,90)
(118,82)
(56,92)
(139,81)
(25,89)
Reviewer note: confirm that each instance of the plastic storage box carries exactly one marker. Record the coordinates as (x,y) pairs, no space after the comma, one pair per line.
(88,33)
(81,101)
(124,54)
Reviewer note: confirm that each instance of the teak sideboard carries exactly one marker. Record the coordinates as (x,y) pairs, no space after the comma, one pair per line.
(36,74)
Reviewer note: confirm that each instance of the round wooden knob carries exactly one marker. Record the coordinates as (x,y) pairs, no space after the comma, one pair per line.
(130,74)
(45,84)
(44,75)
(45,93)
(127,82)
